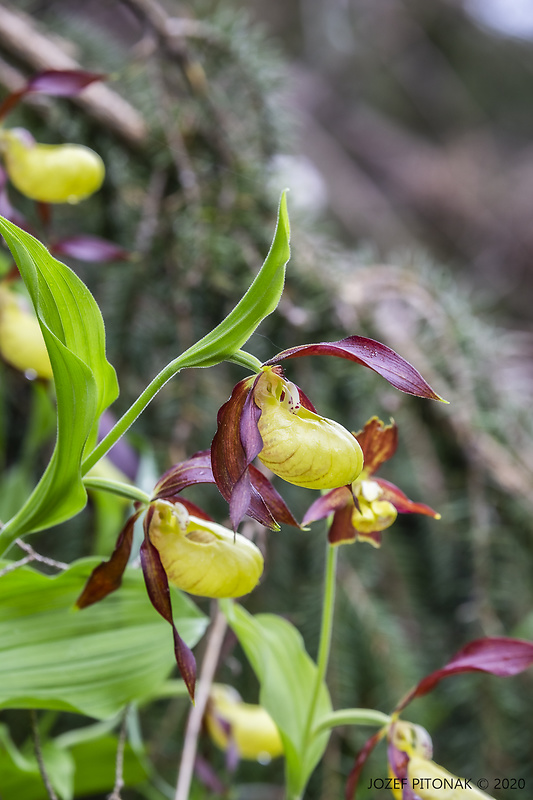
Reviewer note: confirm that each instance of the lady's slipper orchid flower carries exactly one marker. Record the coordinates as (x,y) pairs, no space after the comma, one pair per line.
(64,173)
(298,445)
(184,546)
(370,504)
(413,774)
(21,341)
(201,557)
(270,418)
(248,729)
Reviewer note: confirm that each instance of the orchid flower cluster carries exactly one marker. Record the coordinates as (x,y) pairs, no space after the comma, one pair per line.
(268,426)
(269,418)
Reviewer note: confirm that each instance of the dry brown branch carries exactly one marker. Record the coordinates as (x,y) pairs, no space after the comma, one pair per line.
(20,35)
(39,755)
(33,555)
(194,723)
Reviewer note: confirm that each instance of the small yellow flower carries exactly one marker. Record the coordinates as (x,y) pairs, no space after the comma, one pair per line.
(428,780)
(374,513)
(21,341)
(64,173)
(201,557)
(249,728)
(370,505)
(298,445)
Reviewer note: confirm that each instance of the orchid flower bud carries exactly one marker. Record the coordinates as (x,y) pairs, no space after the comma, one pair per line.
(201,557)
(249,728)
(299,445)
(21,341)
(63,173)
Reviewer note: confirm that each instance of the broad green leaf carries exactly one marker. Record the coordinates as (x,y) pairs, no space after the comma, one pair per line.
(85,382)
(93,661)
(287,677)
(83,768)
(260,300)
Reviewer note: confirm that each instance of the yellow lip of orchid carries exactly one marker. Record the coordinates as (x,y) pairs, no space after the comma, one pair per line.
(300,446)
(373,514)
(427,779)
(21,340)
(63,173)
(201,557)
(432,782)
(248,727)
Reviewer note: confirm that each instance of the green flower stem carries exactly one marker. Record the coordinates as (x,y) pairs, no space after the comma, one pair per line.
(118,488)
(326,631)
(352,716)
(246,360)
(186,359)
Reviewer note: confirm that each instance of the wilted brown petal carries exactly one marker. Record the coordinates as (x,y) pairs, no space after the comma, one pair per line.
(378,443)
(107,576)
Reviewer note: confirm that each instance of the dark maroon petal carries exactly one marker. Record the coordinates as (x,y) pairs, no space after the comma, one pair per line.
(401,502)
(398,763)
(240,499)
(266,503)
(62,82)
(378,443)
(156,581)
(230,454)
(305,401)
(374,355)
(360,761)
(89,248)
(107,576)
(196,469)
(248,430)
(341,530)
(500,656)
(327,503)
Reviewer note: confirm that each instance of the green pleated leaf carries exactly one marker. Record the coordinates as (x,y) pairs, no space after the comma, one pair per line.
(85,382)
(93,661)
(260,300)
(287,676)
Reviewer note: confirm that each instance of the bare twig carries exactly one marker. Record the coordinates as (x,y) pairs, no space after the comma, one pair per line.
(207,673)
(39,755)
(119,764)
(20,35)
(33,555)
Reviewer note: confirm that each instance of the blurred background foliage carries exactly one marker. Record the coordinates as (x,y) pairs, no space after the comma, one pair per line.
(403,130)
